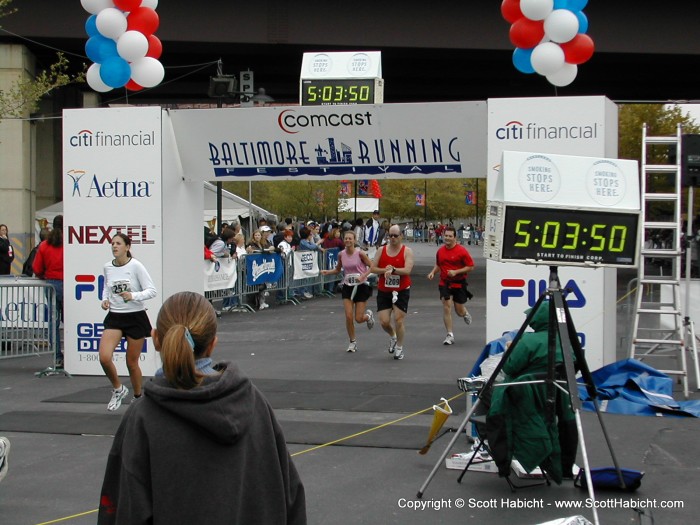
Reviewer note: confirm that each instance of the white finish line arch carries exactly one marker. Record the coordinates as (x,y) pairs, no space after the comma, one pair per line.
(140,171)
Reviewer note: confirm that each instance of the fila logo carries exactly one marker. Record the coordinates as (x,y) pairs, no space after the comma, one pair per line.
(85,285)
(515,288)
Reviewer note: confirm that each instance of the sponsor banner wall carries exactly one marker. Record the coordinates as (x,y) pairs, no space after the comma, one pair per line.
(111,183)
(305,265)
(583,126)
(220,275)
(437,140)
(263,268)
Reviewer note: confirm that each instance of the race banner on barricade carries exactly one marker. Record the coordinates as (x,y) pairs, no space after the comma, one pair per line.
(331,258)
(220,275)
(305,265)
(263,268)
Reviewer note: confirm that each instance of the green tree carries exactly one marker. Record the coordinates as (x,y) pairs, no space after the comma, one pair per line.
(23,96)
(661,120)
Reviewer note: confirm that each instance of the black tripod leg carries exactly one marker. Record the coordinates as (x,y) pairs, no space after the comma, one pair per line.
(590,386)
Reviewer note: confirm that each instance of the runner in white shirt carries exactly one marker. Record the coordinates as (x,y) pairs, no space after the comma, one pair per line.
(127,285)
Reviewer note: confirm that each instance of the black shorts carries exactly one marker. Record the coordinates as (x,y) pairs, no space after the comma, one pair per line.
(385,300)
(363,293)
(134,325)
(459,294)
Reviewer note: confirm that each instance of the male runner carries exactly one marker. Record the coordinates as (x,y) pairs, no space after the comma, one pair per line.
(393,264)
(453,262)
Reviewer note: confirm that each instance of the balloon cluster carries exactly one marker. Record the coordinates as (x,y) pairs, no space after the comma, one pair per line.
(122,45)
(549,37)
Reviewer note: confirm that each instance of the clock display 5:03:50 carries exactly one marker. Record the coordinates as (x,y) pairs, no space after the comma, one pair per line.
(535,232)
(338,92)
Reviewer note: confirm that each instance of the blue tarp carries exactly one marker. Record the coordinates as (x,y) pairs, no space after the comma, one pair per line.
(625,387)
(632,387)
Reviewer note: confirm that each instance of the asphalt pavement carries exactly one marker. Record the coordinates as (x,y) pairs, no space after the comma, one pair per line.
(353,423)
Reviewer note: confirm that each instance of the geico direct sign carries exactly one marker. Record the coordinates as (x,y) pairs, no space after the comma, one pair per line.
(138,233)
(115,188)
(89,335)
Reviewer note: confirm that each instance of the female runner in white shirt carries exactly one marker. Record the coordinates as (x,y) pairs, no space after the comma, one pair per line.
(127,284)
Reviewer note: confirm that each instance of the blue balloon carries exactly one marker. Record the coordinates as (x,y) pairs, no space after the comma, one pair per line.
(98,48)
(115,72)
(582,22)
(522,60)
(91,26)
(577,5)
(561,4)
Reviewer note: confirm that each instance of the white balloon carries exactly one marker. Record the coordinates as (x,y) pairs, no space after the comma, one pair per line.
(147,72)
(95,81)
(111,23)
(547,58)
(132,45)
(149,3)
(536,9)
(565,76)
(95,6)
(561,25)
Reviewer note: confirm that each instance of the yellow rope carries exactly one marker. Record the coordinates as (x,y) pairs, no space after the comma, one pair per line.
(370,429)
(69,517)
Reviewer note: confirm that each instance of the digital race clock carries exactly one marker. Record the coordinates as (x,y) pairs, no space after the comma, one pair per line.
(327,91)
(561,236)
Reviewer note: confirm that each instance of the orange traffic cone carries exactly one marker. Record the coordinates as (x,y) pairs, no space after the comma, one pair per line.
(439,417)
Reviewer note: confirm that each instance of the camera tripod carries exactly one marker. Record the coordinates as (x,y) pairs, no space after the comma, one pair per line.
(560,325)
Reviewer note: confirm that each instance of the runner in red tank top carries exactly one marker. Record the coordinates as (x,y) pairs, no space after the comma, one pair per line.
(454,262)
(393,264)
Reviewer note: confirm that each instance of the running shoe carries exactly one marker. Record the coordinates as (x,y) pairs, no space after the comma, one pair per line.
(263,305)
(392,345)
(4,453)
(467,318)
(370,319)
(117,395)
(352,347)
(398,353)
(449,340)
(308,295)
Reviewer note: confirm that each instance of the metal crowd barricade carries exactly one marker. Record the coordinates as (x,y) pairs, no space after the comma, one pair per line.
(29,318)
(285,290)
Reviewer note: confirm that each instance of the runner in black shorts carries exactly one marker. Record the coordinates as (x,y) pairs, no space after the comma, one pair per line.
(454,262)
(393,265)
(354,264)
(127,285)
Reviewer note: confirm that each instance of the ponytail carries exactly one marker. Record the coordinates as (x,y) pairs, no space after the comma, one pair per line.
(186,329)
(177,353)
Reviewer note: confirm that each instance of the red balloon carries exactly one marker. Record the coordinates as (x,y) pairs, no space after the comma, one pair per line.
(510,9)
(133,86)
(127,5)
(143,19)
(526,33)
(155,47)
(579,49)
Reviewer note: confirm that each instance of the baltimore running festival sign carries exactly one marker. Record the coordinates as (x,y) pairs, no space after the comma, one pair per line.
(437,140)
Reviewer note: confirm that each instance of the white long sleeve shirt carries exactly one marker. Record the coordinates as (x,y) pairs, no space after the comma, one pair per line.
(132,277)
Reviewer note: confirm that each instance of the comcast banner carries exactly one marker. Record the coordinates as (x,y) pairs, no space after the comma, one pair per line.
(437,140)
(111,184)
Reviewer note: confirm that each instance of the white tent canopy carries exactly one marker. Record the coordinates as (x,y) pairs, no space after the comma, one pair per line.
(233,207)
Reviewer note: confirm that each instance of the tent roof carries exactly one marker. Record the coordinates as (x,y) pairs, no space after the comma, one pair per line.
(232,205)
